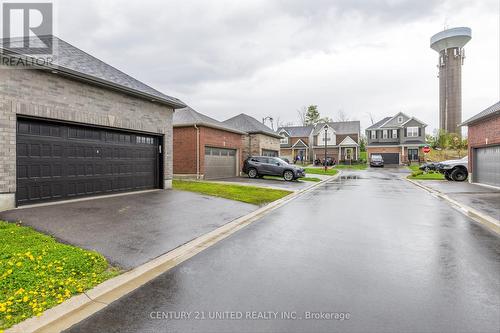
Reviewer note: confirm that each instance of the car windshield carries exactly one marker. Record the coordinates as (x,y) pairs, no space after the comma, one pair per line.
(376,158)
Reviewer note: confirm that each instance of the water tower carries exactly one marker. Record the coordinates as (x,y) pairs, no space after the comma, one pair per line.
(450,46)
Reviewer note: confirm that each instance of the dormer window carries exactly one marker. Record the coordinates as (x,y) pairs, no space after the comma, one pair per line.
(284,140)
(400,119)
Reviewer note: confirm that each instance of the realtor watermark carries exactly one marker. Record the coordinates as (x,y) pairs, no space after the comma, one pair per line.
(27,34)
(249,315)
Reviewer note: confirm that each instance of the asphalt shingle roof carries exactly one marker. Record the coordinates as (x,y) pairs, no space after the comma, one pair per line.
(341,127)
(189,117)
(249,124)
(495,108)
(377,124)
(297,131)
(70,60)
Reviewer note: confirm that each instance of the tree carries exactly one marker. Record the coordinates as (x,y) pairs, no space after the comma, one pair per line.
(362,142)
(341,116)
(312,115)
(302,112)
(458,144)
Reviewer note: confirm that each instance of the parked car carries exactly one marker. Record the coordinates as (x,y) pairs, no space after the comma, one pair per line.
(454,169)
(258,166)
(430,166)
(376,161)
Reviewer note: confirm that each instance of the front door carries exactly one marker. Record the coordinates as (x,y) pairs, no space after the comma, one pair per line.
(413,154)
(348,154)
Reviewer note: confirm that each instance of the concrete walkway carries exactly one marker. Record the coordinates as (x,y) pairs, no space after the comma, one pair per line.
(133,229)
(484,199)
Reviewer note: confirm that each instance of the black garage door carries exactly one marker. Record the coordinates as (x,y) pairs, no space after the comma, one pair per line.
(57,161)
(390,158)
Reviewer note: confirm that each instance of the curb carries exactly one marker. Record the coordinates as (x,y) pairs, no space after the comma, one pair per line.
(84,305)
(487,221)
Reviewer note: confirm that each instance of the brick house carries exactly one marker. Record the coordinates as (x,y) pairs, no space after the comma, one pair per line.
(308,141)
(205,148)
(399,139)
(294,142)
(79,127)
(260,140)
(484,146)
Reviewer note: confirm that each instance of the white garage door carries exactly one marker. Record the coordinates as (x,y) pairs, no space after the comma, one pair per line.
(487,165)
(220,163)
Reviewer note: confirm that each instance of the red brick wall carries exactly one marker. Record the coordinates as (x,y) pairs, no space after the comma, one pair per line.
(184,150)
(478,133)
(221,139)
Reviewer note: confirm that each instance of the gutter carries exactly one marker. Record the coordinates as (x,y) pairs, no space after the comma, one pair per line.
(197,151)
(204,124)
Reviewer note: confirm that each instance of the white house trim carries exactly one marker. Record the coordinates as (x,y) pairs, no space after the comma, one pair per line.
(348,141)
(413,118)
(399,113)
(300,140)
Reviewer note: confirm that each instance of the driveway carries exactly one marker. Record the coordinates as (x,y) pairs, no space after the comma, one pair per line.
(132,229)
(481,198)
(369,244)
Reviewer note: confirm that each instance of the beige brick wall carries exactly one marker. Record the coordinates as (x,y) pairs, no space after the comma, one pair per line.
(253,144)
(45,95)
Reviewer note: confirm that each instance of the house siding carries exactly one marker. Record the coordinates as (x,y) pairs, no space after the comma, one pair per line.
(40,94)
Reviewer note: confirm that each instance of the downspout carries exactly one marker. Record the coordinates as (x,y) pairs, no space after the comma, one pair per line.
(197,151)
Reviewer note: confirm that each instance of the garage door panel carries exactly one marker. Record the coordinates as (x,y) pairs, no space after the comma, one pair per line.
(60,161)
(220,163)
(389,158)
(487,165)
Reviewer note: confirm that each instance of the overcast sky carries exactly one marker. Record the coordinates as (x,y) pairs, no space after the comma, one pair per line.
(271,57)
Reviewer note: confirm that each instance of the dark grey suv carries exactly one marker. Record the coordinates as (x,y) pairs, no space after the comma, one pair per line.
(258,166)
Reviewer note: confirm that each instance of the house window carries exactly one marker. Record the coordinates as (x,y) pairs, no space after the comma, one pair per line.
(384,134)
(327,138)
(284,140)
(374,134)
(412,131)
(394,133)
(400,119)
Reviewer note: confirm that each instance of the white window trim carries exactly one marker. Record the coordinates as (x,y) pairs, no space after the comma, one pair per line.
(394,134)
(400,119)
(284,140)
(385,134)
(373,134)
(413,133)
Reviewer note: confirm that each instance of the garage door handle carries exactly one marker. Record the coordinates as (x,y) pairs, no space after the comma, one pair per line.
(159,149)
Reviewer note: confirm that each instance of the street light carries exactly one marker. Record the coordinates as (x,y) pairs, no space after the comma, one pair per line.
(325,138)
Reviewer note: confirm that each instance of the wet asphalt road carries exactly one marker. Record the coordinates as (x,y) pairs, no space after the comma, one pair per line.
(371,244)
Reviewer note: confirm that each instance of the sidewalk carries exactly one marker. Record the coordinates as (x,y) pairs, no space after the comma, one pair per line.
(478,200)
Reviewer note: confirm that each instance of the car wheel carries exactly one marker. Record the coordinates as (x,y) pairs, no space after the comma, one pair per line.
(288,175)
(447,176)
(427,169)
(459,175)
(252,173)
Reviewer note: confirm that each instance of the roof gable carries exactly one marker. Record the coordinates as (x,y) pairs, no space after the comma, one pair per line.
(70,61)
(348,141)
(394,121)
(249,124)
(340,127)
(300,144)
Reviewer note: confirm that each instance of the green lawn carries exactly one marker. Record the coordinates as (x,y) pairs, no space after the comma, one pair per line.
(306,179)
(418,174)
(249,194)
(37,272)
(427,176)
(321,171)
